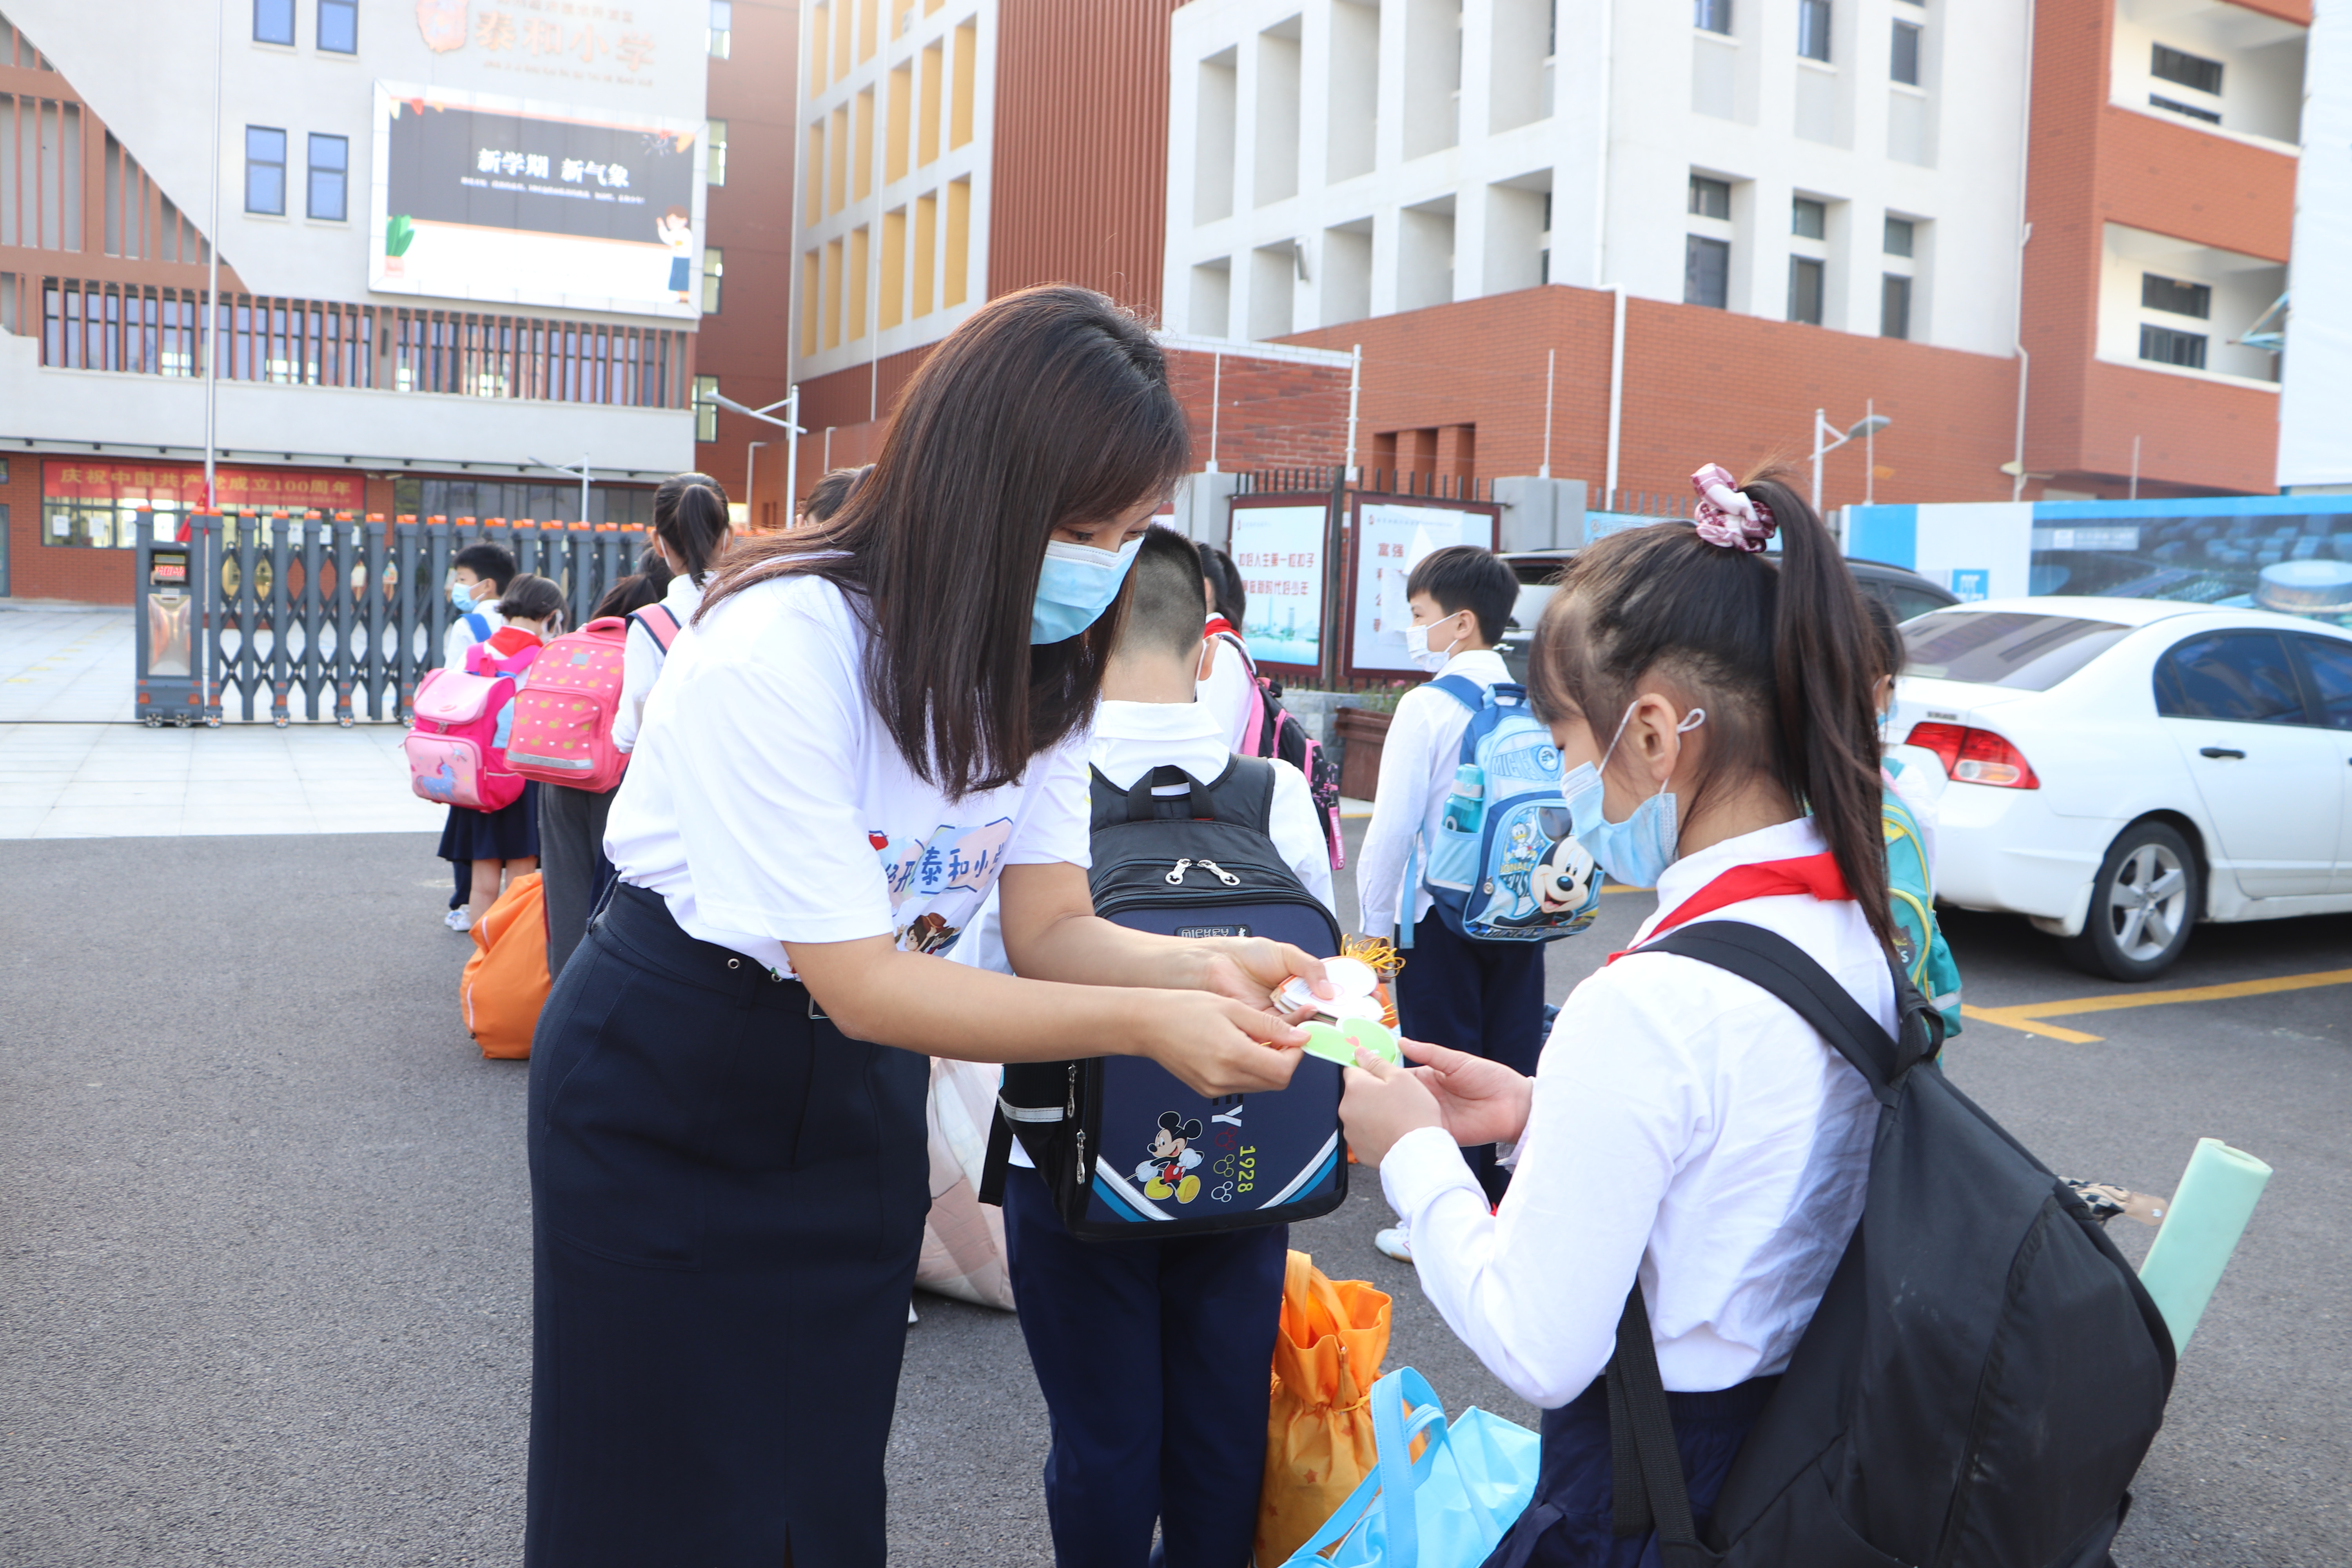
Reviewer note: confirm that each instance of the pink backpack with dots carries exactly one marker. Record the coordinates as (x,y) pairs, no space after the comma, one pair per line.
(456,741)
(564,713)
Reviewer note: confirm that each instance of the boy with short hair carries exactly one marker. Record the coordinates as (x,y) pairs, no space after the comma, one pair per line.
(1152,1355)
(1480,996)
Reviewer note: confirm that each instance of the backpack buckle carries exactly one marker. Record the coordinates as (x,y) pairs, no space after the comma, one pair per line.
(1176,877)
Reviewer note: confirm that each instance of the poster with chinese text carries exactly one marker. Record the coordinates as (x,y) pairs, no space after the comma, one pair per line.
(1279,550)
(1389,541)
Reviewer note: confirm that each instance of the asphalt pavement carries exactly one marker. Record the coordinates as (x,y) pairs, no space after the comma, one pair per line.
(264,1220)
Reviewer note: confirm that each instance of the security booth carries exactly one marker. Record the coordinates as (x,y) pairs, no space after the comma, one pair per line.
(169,652)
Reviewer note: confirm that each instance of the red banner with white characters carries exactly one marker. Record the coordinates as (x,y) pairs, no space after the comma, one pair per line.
(129,482)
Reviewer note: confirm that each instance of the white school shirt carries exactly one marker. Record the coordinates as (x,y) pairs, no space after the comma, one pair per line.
(767,803)
(1684,1123)
(1417,762)
(1229,694)
(641,659)
(1130,738)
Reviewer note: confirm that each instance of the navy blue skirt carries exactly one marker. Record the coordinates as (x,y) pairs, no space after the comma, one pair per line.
(727,1202)
(1568,1524)
(510,833)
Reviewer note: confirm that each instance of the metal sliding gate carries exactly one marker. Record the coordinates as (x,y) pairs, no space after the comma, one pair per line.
(249,616)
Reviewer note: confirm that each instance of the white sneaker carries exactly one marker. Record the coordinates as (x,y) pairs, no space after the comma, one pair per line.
(910,1313)
(458,918)
(1395,1242)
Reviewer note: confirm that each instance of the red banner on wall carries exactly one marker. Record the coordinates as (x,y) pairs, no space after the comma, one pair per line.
(182,485)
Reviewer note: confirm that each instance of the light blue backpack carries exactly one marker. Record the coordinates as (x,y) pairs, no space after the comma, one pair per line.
(1448,1509)
(1520,877)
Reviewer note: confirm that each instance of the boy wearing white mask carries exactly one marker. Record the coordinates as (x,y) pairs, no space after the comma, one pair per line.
(1485,997)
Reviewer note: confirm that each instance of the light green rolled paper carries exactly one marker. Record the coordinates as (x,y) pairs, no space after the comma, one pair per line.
(2207,1214)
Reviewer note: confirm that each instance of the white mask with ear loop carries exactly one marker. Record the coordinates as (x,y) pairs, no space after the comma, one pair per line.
(1417,648)
(1637,850)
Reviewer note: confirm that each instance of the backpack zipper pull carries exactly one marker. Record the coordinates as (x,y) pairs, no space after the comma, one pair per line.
(1177,875)
(1070,1110)
(1227,878)
(1083,1172)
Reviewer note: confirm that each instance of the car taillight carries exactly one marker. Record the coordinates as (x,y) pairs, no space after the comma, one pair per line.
(1976,756)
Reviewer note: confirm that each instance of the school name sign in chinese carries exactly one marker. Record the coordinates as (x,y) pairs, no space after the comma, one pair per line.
(568,38)
(492,199)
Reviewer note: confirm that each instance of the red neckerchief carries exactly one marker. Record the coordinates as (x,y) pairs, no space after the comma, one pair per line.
(1218,624)
(1815,873)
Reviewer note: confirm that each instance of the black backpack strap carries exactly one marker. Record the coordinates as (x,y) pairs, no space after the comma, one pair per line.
(1648,1487)
(998,1159)
(1243,794)
(1772,962)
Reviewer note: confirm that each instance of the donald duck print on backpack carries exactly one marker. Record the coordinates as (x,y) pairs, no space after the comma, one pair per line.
(1504,868)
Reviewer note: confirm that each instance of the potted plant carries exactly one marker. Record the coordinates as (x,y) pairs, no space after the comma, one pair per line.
(399,234)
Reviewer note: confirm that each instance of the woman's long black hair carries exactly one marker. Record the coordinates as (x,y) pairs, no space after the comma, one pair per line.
(1048,406)
(1778,650)
(690,517)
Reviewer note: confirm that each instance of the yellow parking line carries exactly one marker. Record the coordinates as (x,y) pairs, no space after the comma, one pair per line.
(2028,1015)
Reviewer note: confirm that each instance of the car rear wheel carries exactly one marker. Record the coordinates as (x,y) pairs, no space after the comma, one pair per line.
(2149,893)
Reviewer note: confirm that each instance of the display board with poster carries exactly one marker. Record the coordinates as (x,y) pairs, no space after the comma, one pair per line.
(1281,543)
(1387,538)
(517,201)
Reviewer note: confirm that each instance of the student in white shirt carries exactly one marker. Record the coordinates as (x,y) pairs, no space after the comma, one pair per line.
(690,533)
(1684,1129)
(872,724)
(1194,1468)
(479,574)
(1483,997)
(1228,680)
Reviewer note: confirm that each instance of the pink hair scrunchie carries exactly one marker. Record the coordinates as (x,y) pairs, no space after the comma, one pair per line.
(1727,518)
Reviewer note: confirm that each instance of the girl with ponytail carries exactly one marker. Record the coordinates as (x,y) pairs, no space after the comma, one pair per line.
(1712,704)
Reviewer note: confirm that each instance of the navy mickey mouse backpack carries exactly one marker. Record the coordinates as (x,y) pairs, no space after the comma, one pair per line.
(1130,1151)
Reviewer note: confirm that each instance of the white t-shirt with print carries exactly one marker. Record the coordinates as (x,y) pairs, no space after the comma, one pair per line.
(766,802)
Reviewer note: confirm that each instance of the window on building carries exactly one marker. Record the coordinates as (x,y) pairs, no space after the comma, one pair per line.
(1712,16)
(721,34)
(1904,64)
(1814,29)
(2162,345)
(273,21)
(714,152)
(1894,306)
(714,267)
(1900,237)
(1808,219)
(706,408)
(339,27)
(1710,198)
(2189,70)
(1707,271)
(1805,290)
(2173,295)
(265,170)
(331,163)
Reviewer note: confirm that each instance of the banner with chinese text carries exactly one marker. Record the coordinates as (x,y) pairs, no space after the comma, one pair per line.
(181,485)
(1280,551)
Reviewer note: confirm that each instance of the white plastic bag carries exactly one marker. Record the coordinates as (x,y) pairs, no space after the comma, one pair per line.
(963,1238)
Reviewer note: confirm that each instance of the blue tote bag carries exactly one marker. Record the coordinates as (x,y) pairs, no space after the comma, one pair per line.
(1449,1508)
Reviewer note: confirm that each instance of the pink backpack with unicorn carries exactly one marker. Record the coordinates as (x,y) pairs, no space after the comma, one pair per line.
(563,714)
(456,744)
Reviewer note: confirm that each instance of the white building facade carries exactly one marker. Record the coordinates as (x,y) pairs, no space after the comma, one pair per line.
(1852,163)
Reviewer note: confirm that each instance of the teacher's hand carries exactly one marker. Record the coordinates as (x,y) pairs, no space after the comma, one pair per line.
(1249,969)
(1382,1103)
(1218,1045)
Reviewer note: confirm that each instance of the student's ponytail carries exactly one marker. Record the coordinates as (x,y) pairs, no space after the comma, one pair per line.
(1825,660)
(1780,652)
(690,517)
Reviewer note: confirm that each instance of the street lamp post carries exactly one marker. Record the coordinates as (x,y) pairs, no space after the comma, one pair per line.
(580,473)
(751,456)
(1827,438)
(791,425)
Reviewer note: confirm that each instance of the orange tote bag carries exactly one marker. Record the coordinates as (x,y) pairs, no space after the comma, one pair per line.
(1319,1430)
(506,982)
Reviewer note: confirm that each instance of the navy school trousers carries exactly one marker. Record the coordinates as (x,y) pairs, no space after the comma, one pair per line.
(1483,997)
(1155,1359)
(727,1198)
(1570,1523)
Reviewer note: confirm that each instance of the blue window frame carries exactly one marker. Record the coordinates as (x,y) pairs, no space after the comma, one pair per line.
(339,27)
(265,170)
(330,160)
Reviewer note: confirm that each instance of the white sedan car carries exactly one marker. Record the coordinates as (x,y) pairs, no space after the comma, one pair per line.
(2123,768)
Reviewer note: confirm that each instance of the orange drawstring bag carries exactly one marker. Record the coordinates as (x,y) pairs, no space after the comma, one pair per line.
(1318,1428)
(506,980)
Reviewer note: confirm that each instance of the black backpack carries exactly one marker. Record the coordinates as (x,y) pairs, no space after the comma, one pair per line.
(1127,1148)
(1985,1372)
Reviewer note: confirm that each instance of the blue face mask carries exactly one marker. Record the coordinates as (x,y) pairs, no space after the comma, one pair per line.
(1074,586)
(461,596)
(1637,850)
